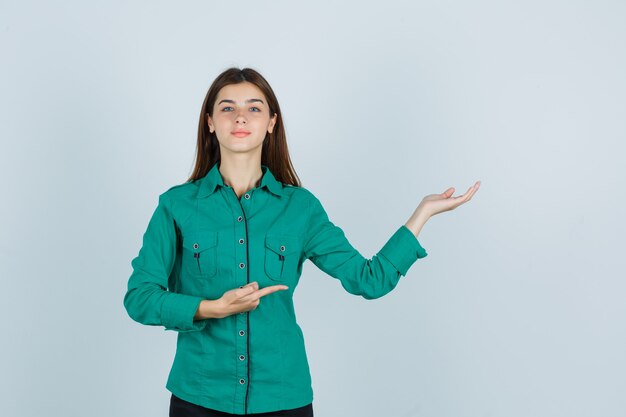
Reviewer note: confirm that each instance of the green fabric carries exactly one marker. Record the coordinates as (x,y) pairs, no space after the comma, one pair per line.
(281,226)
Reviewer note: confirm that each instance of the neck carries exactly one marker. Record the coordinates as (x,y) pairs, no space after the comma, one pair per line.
(241,175)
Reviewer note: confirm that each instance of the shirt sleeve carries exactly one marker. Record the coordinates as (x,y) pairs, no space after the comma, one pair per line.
(148,300)
(328,248)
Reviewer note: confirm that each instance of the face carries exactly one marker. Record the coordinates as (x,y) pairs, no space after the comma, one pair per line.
(241,107)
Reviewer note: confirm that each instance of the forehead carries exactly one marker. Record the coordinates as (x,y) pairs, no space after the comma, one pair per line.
(240,92)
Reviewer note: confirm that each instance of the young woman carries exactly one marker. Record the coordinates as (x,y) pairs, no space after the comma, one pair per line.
(223,253)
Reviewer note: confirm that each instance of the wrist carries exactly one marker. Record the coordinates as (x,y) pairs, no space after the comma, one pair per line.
(210,309)
(416,222)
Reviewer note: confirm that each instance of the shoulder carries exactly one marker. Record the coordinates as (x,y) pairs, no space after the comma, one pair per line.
(300,194)
(182,191)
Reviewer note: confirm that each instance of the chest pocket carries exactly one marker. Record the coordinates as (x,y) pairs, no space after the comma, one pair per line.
(282,253)
(200,254)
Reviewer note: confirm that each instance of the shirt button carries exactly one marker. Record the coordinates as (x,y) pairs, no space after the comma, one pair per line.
(282,248)
(241,241)
(195,246)
(241,332)
(247,196)
(239,218)
(242,265)
(241,357)
(242,381)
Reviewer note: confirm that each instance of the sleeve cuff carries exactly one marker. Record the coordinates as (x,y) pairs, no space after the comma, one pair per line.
(403,249)
(178,311)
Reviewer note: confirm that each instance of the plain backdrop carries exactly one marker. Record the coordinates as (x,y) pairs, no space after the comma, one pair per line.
(518,309)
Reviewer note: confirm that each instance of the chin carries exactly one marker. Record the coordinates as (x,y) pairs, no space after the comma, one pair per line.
(242,147)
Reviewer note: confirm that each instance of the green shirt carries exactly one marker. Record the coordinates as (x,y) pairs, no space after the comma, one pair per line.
(203,241)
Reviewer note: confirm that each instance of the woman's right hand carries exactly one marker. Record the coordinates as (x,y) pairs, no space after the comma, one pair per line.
(245,298)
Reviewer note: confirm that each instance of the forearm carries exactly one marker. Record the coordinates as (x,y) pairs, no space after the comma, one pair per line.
(209,309)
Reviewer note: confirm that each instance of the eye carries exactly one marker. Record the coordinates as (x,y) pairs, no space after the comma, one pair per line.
(227,107)
(255,108)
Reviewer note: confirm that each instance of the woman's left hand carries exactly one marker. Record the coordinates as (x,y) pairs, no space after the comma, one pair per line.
(438,203)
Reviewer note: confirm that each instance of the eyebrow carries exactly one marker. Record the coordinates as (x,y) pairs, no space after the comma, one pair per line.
(251,100)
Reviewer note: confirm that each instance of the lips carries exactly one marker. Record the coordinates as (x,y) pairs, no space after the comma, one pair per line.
(240,133)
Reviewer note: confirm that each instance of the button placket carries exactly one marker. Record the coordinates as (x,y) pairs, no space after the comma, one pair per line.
(241,260)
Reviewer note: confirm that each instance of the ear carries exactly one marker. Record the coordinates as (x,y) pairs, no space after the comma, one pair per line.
(210,123)
(270,127)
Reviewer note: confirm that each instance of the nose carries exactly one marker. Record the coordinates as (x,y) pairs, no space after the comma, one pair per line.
(240,118)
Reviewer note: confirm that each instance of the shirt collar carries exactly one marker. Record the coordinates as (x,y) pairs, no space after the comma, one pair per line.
(213,178)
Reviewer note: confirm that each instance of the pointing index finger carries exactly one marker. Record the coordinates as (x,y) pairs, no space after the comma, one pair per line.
(268,290)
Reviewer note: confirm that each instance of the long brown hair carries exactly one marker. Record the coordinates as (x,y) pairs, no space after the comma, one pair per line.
(274,152)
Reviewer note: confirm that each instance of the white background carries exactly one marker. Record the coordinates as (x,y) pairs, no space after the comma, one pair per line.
(518,310)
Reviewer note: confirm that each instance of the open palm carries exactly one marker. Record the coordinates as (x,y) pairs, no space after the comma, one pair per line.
(437,203)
